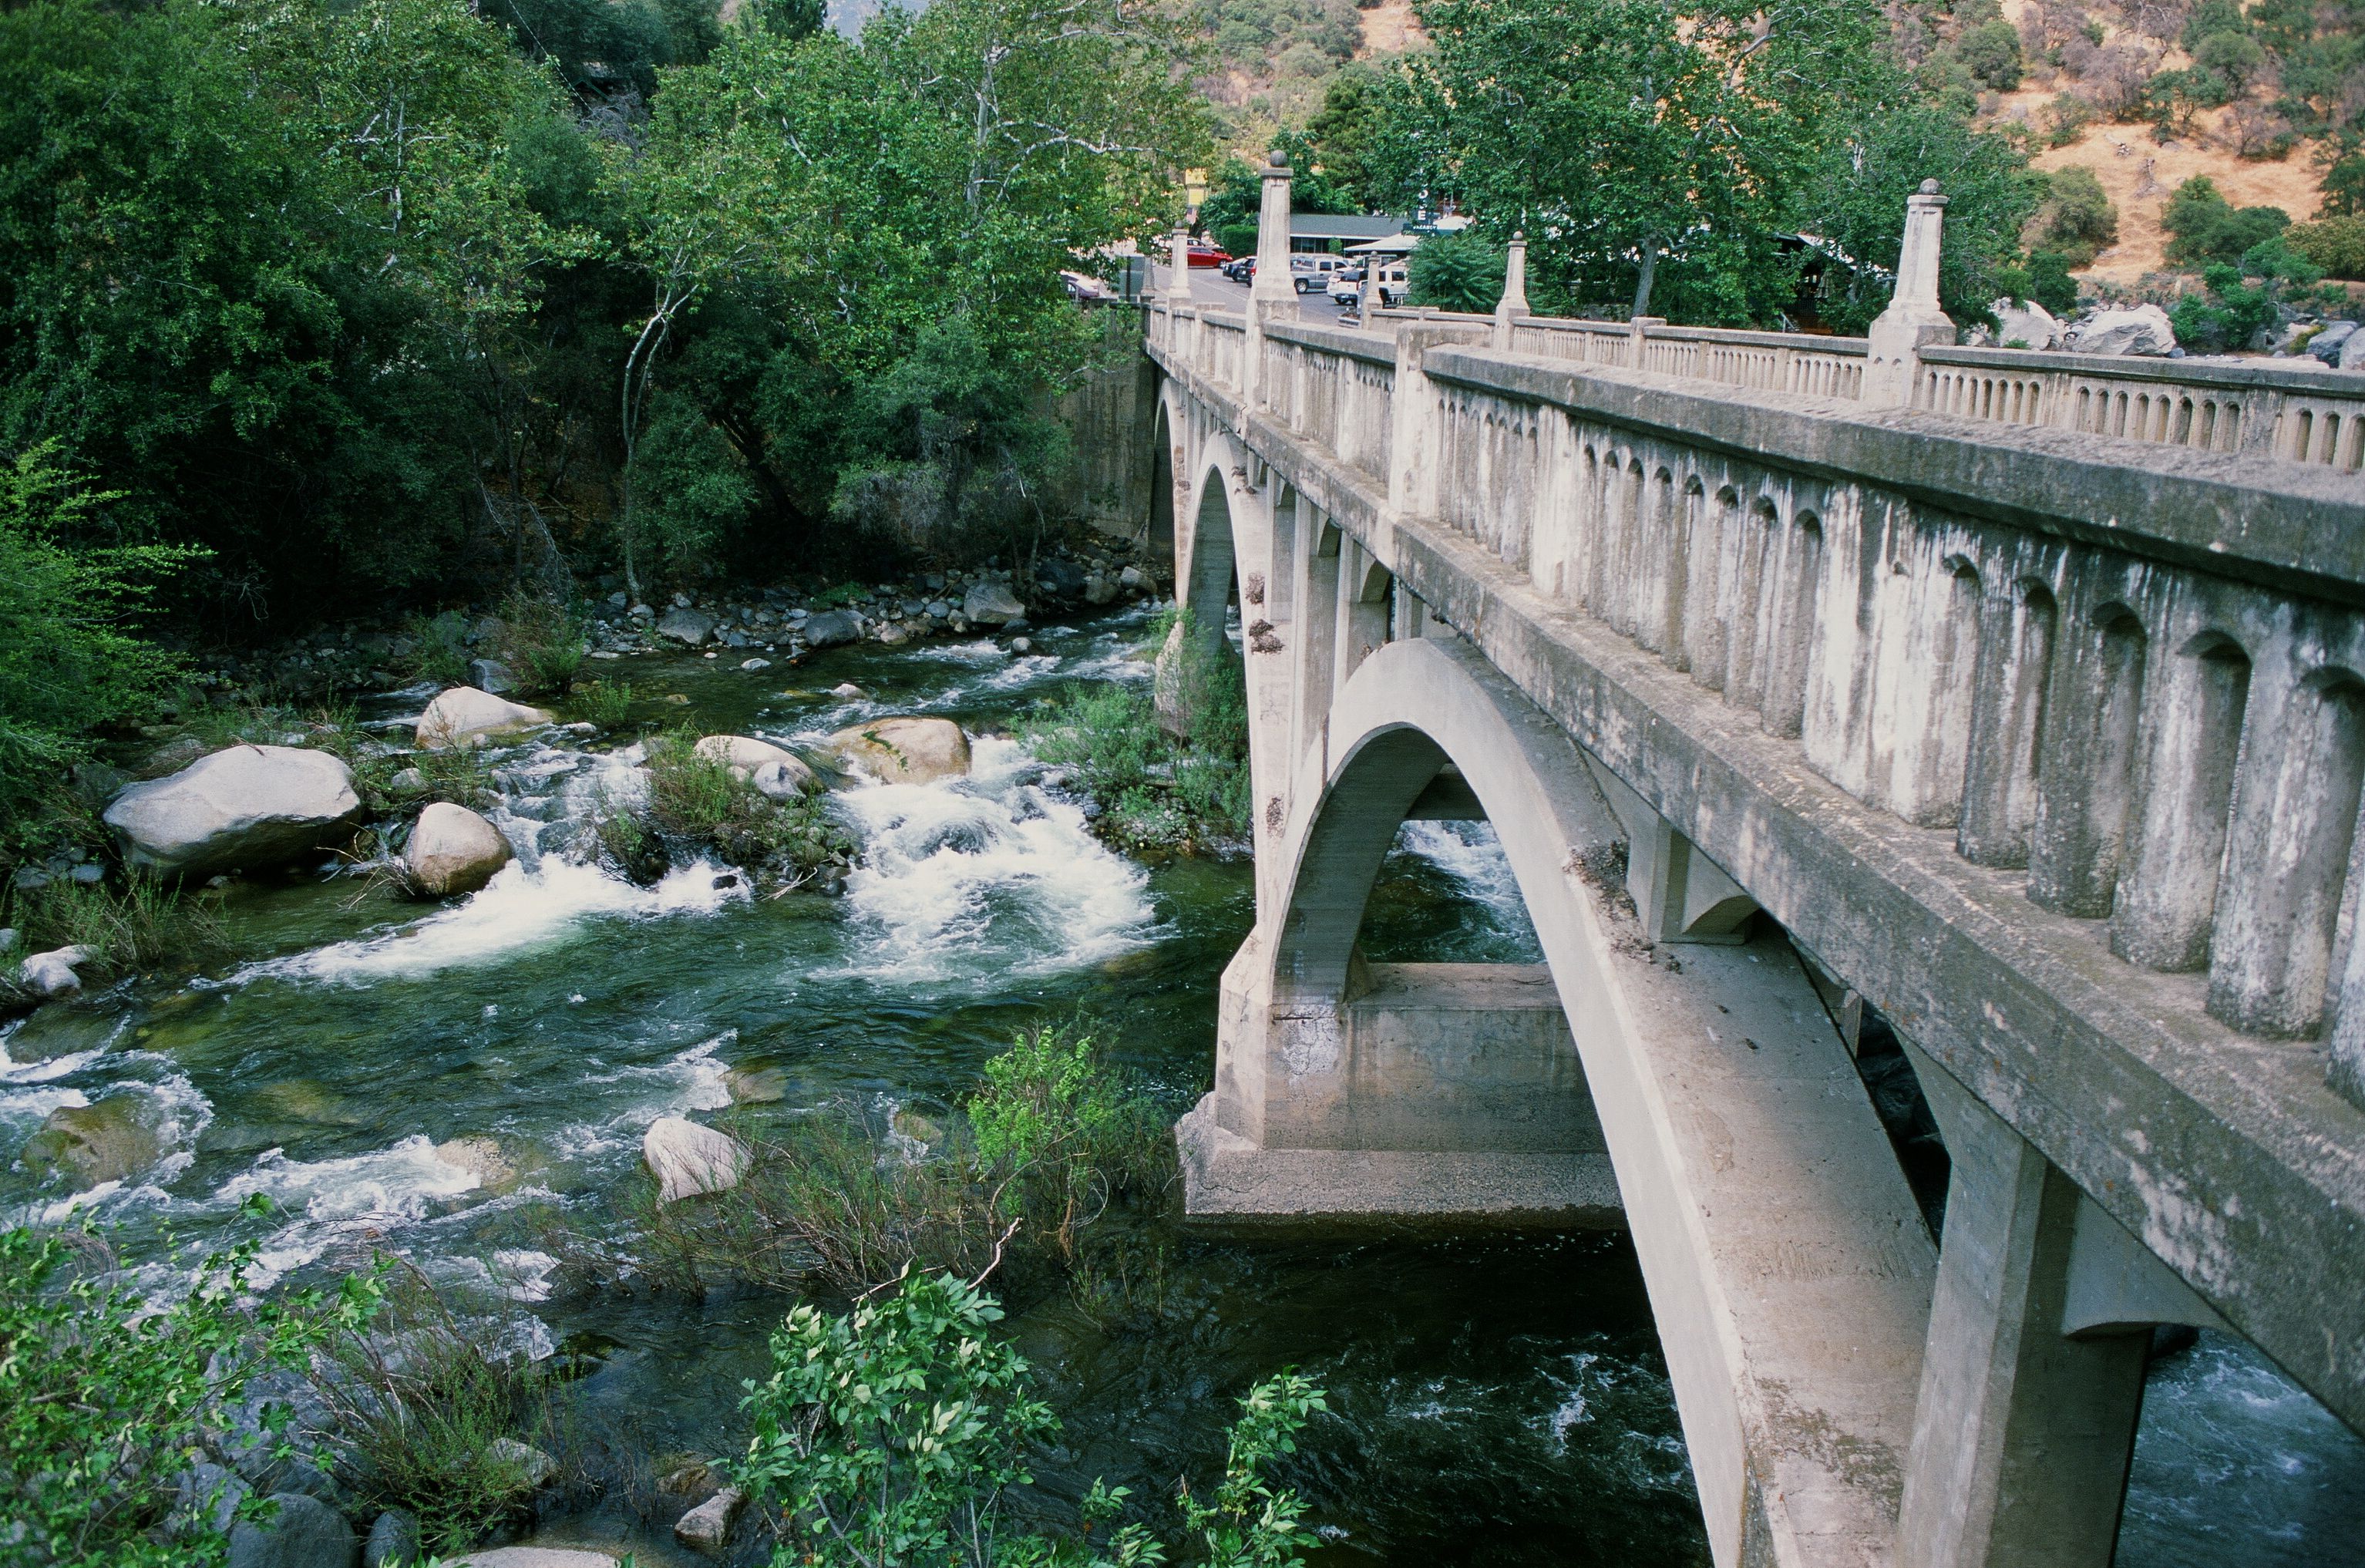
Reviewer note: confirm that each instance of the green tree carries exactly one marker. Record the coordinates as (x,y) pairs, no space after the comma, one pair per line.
(2335,244)
(1991,53)
(1625,137)
(1855,201)
(1462,271)
(1348,134)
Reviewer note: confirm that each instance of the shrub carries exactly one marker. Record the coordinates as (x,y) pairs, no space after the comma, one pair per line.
(105,1397)
(2204,227)
(71,661)
(2077,220)
(2234,58)
(1991,53)
(2050,285)
(1462,271)
(2226,315)
(2344,187)
(891,1435)
(1156,790)
(1062,1133)
(607,703)
(416,1403)
(695,802)
(541,640)
(440,648)
(2259,133)
(2335,244)
(2066,119)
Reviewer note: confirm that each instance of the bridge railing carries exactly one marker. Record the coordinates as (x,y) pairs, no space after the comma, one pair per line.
(2284,411)
(2150,699)
(2267,410)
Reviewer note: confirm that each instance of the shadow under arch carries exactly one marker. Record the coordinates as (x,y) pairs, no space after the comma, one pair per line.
(1788,1266)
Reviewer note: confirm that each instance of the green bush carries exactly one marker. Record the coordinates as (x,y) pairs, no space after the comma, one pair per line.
(1061,1133)
(1991,53)
(2335,244)
(607,703)
(1155,791)
(105,1397)
(136,925)
(2226,315)
(2066,119)
(891,1435)
(71,661)
(2344,187)
(2078,220)
(2204,227)
(1462,271)
(697,805)
(541,640)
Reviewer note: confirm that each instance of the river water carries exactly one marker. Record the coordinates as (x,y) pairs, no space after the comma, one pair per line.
(1492,1402)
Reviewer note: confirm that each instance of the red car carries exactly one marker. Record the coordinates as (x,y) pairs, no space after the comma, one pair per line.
(1209,256)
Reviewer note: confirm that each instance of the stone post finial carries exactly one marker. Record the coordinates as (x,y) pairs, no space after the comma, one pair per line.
(1272,280)
(1178,286)
(1913,320)
(1514,303)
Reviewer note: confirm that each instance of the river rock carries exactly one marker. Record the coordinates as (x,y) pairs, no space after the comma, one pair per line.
(491,674)
(242,808)
(688,627)
(832,628)
(409,782)
(1134,577)
(304,1533)
(483,1158)
(992,604)
(2327,344)
(2352,353)
(533,1468)
(775,772)
(1099,591)
(453,850)
(210,1492)
(707,1526)
(103,1142)
(2031,326)
(2140,330)
(904,751)
(52,975)
(755,1085)
(534,1557)
(462,712)
(689,1159)
(393,1541)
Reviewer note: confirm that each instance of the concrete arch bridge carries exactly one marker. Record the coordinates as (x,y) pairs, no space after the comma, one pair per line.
(1798,677)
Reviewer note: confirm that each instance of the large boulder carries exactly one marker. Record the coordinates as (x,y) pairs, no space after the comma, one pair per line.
(393,1541)
(462,713)
(2030,326)
(107,1141)
(774,771)
(241,809)
(304,1533)
(2352,353)
(832,628)
(689,1159)
(453,850)
(904,751)
(992,604)
(688,627)
(2142,330)
(2328,344)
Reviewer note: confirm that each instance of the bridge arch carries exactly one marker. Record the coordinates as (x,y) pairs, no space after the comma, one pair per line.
(1655,1053)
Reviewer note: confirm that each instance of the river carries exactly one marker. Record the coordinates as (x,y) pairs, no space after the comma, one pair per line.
(1492,1402)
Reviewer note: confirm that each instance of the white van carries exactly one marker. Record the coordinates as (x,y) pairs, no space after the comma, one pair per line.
(1390,281)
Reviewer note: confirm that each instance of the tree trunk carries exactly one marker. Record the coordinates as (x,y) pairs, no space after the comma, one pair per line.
(1642,281)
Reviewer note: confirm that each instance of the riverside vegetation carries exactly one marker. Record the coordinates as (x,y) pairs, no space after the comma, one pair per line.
(894,1431)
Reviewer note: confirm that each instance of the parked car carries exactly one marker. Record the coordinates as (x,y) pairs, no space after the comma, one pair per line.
(1239,269)
(1083,285)
(1391,284)
(1309,271)
(1203,255)
(1347,285)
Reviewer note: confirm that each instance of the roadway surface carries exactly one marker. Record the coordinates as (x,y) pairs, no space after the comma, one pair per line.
(1209,286)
